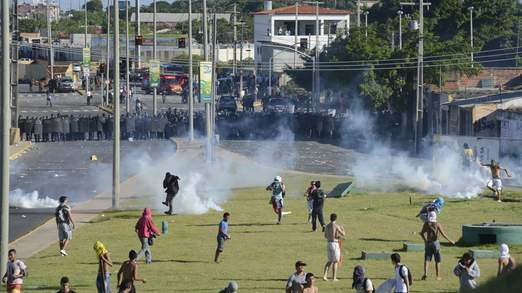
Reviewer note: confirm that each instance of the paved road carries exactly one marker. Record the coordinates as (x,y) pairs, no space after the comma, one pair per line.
(304,156)
(34,103)
(55,169)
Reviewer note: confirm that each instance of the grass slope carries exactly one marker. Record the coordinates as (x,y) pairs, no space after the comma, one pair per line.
(261,255)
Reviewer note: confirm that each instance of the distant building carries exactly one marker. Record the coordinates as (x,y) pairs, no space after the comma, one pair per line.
(275,31)
(171,19)
(39,8)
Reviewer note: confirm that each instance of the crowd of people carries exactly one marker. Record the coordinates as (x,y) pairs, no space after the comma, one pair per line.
(401,281)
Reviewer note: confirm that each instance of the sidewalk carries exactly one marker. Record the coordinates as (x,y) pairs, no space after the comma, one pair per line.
(17,150)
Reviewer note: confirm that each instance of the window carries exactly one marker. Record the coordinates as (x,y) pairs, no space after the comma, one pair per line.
(309,29)
(303,43)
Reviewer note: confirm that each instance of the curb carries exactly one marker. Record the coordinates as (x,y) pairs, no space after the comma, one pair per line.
(105,109)
(25,146)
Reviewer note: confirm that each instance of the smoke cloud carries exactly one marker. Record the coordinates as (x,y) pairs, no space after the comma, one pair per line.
(19,199)
(439,171)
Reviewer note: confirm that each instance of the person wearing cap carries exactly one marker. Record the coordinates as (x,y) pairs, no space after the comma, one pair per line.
(297,280)
(278,193)
(231,288)
(430,234)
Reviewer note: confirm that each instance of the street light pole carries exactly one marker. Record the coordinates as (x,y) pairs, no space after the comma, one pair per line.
(49,40)
(471,31)
(234,23)
(86,45)
(154,56)
(191,75)
(400,13)
(270,75)
(366,23)
(137,32)
(116,108)
(296,30)
(208,125)
(6,124)
(127,57)
(108,59)
(358,13)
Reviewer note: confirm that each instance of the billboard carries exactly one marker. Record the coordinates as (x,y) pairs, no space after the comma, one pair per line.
(205,81)
(154,73)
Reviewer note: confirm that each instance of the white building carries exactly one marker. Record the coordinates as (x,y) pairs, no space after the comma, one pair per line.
(275,32)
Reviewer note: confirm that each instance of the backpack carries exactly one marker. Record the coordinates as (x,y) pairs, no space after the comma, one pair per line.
(365,286)
(62,215)
(410,277)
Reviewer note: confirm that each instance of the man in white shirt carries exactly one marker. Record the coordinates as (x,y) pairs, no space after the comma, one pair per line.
(16,271)
(402,275)
(297,280)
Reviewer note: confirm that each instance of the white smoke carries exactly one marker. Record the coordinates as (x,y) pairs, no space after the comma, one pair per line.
(18,198)
(439,171)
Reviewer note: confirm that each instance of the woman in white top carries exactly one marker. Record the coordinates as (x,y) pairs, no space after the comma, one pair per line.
(506,263)
(360,283)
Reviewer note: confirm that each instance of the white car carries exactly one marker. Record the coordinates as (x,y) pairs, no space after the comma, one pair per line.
(77,68)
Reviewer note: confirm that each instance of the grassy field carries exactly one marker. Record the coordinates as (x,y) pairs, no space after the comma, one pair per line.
(261,255)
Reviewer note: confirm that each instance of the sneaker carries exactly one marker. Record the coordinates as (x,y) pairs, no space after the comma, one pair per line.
(325,279)
(424,278)
(499,200)
(323,228)
(63,252)
(168,213)
(165,203)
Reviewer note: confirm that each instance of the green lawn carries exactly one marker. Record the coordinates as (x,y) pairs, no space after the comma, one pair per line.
(261,255)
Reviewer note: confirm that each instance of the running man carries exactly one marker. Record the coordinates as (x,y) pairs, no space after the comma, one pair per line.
(333,234)
(16,272)
(495,184)
(222,236)
(278,193)
(128,274)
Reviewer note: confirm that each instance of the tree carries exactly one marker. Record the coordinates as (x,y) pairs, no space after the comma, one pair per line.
(94,5)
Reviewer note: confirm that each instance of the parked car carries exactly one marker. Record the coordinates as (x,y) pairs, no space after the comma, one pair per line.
(76,68)
(65,85)
(226,104)
(278,105)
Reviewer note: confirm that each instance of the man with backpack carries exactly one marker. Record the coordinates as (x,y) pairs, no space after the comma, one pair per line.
(318,197)
(403,277)
(171,185)
(65,223)
(430,235)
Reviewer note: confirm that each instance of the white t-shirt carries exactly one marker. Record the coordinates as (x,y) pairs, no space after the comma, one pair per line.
(297,279)
(364,287)
(15,268)
(400,286)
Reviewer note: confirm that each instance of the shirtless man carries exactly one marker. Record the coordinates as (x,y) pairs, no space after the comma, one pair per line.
(495,184)
(104,262)
(129,271)
(333,234)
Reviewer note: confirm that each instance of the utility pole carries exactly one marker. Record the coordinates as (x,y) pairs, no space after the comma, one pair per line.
(14,56)
(85,45)
(419,103)
(127,57)
(400,13)
(154,56)
(358,13)
(137,32)
(207,105)
(296,30)
(6,124)
(108,65)
(471,31)
(234,23)
(317,48)
(191,76)
(214,73)
(49,40)
(366,23)
(241,59)
(116,112)
(204,24)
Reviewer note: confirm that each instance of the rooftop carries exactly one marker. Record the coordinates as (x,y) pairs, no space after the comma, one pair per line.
(304,9)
